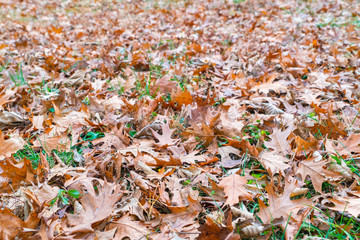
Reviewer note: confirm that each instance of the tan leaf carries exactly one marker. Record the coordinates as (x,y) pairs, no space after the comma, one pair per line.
(346,204)
(14,175)
(108,141)
(182,218)
(283,206)
(97,203)
(164,139)
(351,144)
(233,186)
(227,160)
(10,146)
(274,162)
(129,229)
(318,173)
(279,141)
(265,88)
(49,143)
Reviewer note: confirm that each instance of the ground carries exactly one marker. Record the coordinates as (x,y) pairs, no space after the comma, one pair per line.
(179,119)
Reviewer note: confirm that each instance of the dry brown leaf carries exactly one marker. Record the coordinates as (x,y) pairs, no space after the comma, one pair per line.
(10,225)
(318,173)
(129,229)
(227,160)
(233,186)
(279,141)
(282,206)
(97,205)
(346,204)
(10,146)
(348,146)
(164,140)
(274,162)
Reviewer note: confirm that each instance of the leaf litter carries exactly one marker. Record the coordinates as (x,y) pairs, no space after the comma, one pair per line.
(179,119)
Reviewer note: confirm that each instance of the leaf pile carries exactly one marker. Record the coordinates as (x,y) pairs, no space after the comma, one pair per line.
(179,119)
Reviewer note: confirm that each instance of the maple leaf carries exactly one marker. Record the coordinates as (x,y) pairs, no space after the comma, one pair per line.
(283,206)
(234,189)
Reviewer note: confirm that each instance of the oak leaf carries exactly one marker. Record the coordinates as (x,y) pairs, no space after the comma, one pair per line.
(180,98)
(346,204)
(13,175)
(274,162)
(279,141)
(129,229)
(108,141)
(227,161)
(351,144)
(317,171)
(270,85)
(283,206)
(233,186)
(212,231)
(305,147)
(182,218)
(164,139)
(10,225)
(97,205)
(49,143)
(10,146)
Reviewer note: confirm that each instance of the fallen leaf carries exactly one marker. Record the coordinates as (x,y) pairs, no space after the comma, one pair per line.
(318,173)
(97,206)
(227,160)
(164,139)
(274,162)
(127,228)
(279,141)
(10,146)
(293,211)
(234,189)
